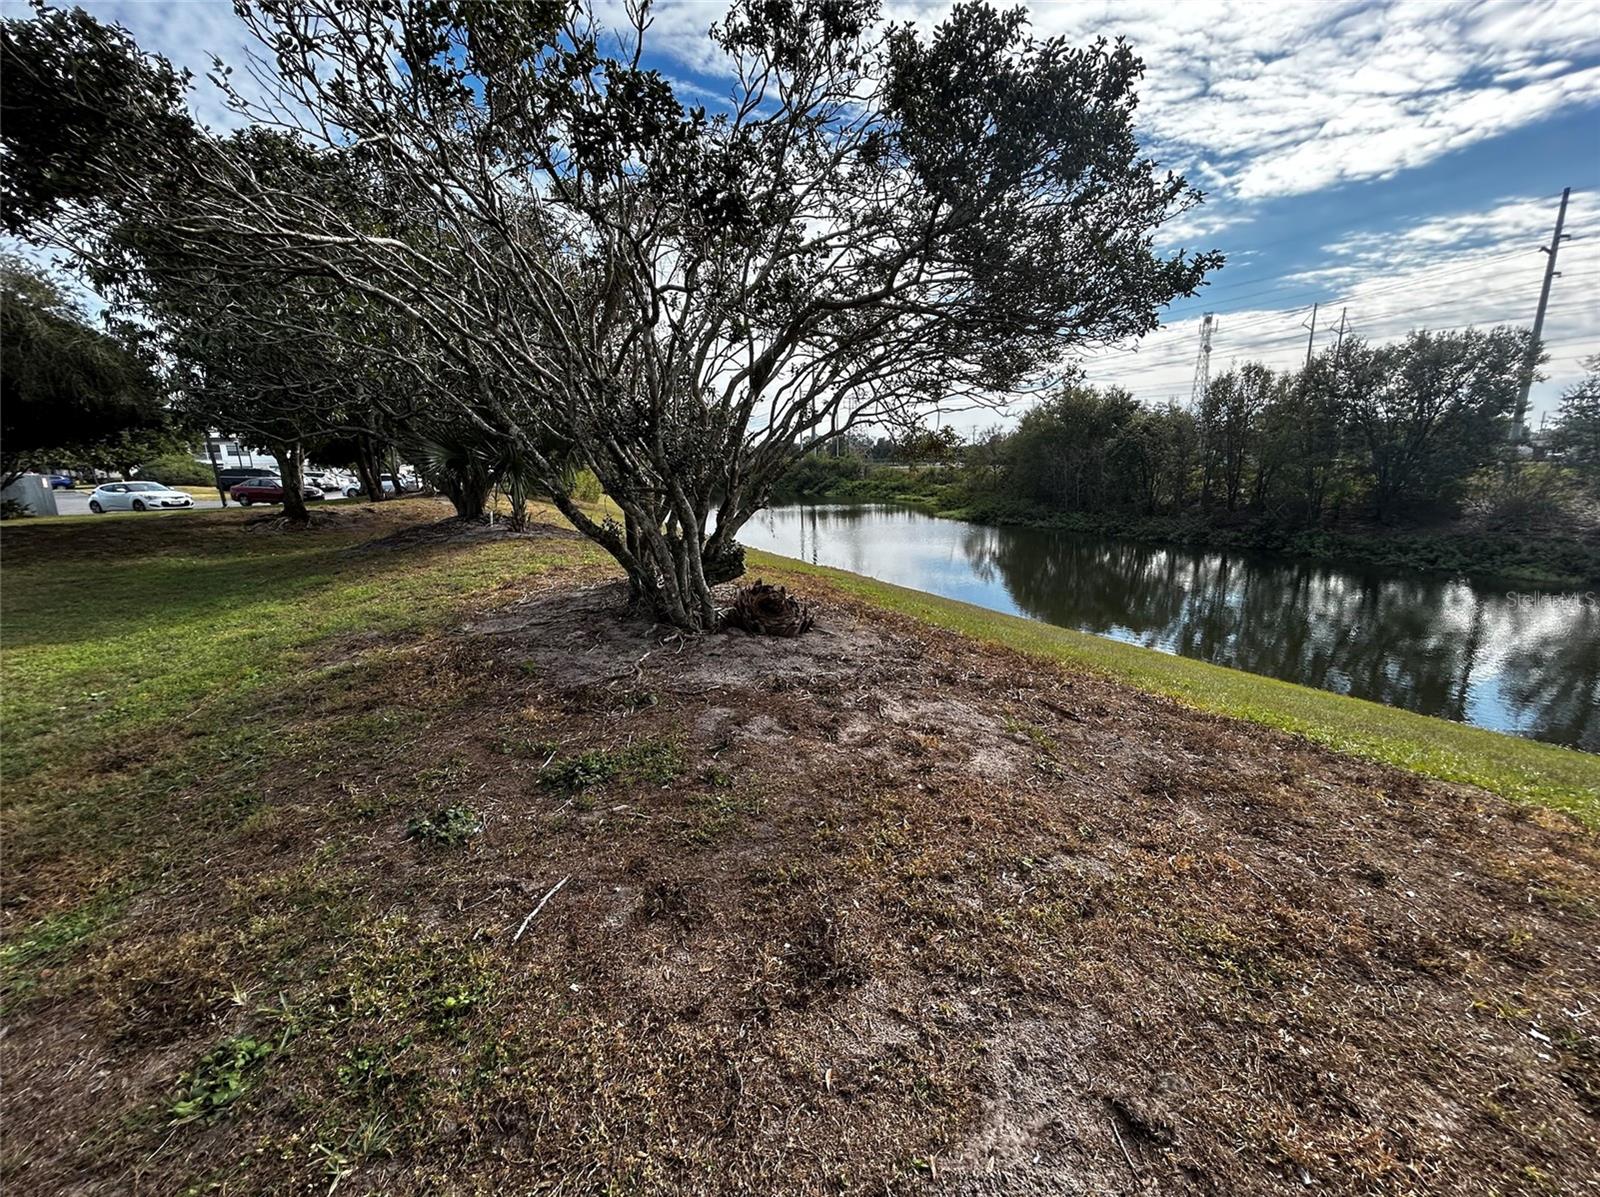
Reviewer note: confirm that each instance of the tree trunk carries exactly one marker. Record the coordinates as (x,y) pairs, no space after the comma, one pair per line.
(368,472)
(469,501)
(291,472)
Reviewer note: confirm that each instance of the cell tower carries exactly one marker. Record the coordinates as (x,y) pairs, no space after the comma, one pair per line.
(1202,362)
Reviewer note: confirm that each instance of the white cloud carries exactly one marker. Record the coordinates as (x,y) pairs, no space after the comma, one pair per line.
(1255,100)
(1478,267)
(1293,98)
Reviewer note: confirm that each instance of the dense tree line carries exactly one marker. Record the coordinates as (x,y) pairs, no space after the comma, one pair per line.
(1392,427)
(1388,432)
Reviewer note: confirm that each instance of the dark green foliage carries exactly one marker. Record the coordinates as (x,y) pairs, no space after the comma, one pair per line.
(452,825)
(220,1078)
(1424,413)
(654,760)
(177,469)
(81,110)
(69,391)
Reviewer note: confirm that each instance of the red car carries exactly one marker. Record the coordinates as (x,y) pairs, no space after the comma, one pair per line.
(266,490)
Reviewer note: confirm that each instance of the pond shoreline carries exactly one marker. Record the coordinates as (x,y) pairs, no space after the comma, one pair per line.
(1510,659)
(1514,559)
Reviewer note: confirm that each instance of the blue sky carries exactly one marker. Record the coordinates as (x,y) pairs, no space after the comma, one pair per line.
(1396,162)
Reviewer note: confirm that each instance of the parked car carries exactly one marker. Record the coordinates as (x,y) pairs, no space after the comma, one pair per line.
(61,481)
(407,485)
(266,490)
(329,482)
(136,496)
(230,476)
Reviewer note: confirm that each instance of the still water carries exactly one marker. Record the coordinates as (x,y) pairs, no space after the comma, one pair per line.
(1475,653)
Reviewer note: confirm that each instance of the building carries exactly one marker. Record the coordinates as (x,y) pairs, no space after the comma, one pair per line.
(228,453)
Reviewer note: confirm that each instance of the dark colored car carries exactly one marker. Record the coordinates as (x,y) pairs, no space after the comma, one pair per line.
(62,482)
(266,490)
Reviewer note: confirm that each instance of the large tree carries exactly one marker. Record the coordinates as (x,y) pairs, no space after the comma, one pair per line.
(1425,412)
(876,221)
(70,390)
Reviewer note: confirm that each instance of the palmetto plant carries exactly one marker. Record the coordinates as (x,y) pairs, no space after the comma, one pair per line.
(460,467)
(467,466)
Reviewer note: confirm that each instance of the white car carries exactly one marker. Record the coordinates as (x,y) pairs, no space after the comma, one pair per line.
(136,496)
(329,482)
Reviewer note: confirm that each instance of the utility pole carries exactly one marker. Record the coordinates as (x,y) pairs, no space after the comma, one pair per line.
(1311,340)
(1518,424)
(216,470)
(1338,345)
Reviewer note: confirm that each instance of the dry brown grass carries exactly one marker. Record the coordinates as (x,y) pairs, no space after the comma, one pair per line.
(875,909)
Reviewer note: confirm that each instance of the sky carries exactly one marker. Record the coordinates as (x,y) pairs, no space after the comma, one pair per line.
(1397,164)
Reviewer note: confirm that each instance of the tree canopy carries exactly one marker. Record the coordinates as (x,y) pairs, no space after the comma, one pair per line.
(69,390)
(879,221)
(80,107)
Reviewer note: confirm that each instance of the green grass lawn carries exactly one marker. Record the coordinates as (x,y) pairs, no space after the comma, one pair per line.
(128,625)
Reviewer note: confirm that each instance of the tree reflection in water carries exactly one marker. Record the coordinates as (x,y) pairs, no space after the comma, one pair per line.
(1438,646)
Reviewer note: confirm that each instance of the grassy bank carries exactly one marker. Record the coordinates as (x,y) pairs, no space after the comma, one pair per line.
(389,856)
(1514,558)
(1517,768)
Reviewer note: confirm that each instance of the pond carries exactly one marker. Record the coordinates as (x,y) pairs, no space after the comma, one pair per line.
(1514,661)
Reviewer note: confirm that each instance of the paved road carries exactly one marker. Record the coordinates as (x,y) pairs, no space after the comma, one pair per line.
(76,502)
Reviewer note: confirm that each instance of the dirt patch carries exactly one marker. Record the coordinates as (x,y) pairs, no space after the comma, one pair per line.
(872,909)
(330,519)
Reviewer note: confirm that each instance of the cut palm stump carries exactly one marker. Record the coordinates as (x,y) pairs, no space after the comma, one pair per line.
(764,610)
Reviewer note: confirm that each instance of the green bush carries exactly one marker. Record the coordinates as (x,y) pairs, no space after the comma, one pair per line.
(177,469)
(1526,494)
(586,487)
(452,825)
(219,1078)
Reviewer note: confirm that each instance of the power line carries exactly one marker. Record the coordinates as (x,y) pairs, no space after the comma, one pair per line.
(1359,297)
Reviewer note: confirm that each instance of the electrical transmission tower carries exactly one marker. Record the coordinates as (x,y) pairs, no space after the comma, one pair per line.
(1202,362)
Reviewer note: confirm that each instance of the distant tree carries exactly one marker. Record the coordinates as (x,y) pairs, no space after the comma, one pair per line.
(920,444)
(876,222)
(1576,433)
(1425,412)
(68,390)
(985,456)
(1072,450)
(1229,415)
(1311,428)
(1161,447)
